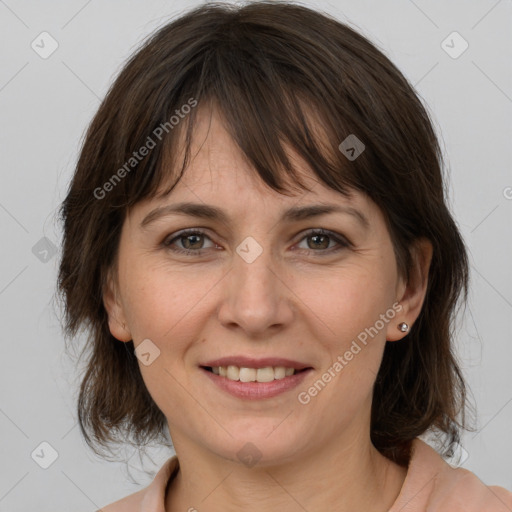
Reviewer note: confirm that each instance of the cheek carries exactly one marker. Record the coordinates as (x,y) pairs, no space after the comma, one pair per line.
(349,304)
(348,300)
(358,310)
(161,299)
(163,306)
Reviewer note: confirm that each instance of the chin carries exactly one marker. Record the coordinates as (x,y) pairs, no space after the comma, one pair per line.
(264,442)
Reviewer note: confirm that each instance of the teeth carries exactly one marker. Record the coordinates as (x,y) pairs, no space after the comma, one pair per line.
(243,374)
(279,372)
(264,374)
(233,373)
(267,374)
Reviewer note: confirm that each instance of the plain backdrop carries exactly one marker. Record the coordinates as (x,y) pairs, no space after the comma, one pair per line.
(47,103)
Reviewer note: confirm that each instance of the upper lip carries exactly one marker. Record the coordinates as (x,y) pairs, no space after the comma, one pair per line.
(249,362)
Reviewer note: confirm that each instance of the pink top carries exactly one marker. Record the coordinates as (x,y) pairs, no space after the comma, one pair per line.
(431,485)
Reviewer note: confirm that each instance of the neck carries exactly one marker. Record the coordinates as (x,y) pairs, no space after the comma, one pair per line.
(341,477)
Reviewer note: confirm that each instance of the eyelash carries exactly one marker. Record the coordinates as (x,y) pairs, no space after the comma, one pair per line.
(183,234)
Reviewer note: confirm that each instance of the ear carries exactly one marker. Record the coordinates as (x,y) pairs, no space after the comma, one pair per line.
(113,306)
(412,294)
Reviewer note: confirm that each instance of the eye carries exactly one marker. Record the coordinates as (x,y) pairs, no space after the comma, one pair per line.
(192,242)
(321,239)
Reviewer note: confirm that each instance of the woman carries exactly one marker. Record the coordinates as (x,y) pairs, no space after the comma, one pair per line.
(257,238)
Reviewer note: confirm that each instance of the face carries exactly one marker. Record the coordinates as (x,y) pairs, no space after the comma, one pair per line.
(257,284)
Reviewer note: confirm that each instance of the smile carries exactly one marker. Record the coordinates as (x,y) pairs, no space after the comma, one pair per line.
(243,374)
(245,382)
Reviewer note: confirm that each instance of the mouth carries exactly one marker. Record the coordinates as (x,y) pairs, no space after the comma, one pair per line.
(246,374)
(252,378)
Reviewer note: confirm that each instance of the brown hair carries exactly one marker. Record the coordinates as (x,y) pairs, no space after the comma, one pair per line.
(270,68)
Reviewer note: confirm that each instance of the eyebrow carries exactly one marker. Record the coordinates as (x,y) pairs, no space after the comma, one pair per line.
(295,214)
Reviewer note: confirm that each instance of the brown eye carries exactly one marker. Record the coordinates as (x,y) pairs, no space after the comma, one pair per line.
(191,242)
(319,240)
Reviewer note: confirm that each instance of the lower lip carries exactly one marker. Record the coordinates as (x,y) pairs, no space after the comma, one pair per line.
(257,390)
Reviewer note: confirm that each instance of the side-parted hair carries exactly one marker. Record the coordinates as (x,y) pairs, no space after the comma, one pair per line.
(273,70)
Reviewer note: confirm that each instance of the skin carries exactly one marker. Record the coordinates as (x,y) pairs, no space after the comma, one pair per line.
(289,302)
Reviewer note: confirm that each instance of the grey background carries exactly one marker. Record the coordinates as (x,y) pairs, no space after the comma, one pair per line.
(46,105)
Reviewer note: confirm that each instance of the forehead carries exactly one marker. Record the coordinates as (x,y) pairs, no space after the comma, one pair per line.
(220,183)
(228,191)
(218,168)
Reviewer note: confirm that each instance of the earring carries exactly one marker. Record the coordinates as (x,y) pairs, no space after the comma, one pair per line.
(403,327)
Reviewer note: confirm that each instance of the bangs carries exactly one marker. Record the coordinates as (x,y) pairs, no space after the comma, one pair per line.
(268,107)
(269,144)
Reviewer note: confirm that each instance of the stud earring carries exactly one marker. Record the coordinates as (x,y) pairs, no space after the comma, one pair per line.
(403,327)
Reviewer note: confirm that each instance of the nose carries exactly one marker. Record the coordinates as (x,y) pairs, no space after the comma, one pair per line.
(257,298)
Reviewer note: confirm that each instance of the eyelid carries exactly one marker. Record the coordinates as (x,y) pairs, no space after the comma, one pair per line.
(169,239)
(342,241)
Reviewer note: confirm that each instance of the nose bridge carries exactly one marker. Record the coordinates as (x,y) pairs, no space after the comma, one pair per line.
(253,267)
(254,272)
(256,296)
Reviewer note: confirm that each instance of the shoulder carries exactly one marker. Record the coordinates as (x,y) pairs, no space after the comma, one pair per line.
(131,503)
(462,488)
(152,497)
(432,484)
